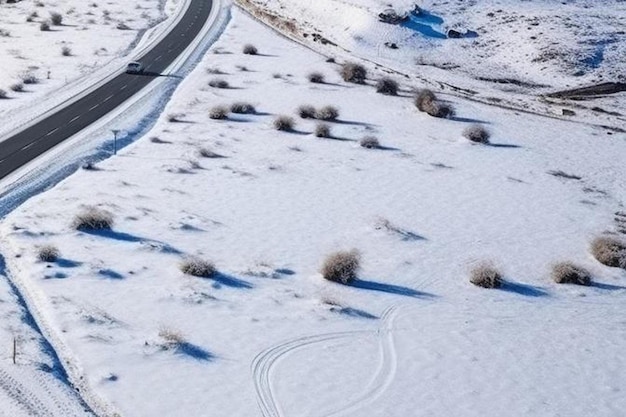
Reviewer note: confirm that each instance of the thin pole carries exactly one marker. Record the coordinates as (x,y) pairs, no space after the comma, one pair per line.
(14,349)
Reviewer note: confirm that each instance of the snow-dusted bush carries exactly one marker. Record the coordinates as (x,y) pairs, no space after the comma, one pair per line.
(175,117)
(172,339)
(486,275)
(218,112)
(93,218)
(306,111)
(424,98)
(316,77)
(242,107)
(283,123)
(17,87)
(370,142)
(342,266)
(353,73)
(48,253)
(322,130)
(568,273)
(29,78)
(250,49)
(327,113)
(477,133)
(4,33)
(609,251)
(56,18)
(198,267)
(3,93)
(387,86)
(207,153)
(66,51)
(218,83)
(439,109)
(44,26)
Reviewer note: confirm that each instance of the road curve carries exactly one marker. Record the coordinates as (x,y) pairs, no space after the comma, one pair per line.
(39,138)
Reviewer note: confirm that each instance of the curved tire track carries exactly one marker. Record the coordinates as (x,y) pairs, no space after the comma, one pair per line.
(263,364)
(22,396)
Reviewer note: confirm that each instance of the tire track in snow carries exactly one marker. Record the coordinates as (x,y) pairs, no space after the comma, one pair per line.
(22,396)
(263,364)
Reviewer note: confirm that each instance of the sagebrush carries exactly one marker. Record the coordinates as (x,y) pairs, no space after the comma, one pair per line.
(93,218)
(569,273)
(342,266)
(609,251)
(486,275)
(353,72)
(198,267)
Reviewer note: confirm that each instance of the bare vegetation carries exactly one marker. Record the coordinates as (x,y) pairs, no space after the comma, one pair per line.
(306,111)
(242,107)
(387,86)
(29,78)
(486,275)
(370,142)
(353,73)
(175,117)
(327,113)
(48,253)
(477,134)
(3,93)
(218,113)
(342,267)
(44,26)
(609,251)
(568,273)
(66,51)
(218,83)
(17,87)
(284,123)
(322,130)
(93,218)
(56,18)
(316,77)
(198,267)
(250,49)
(172,339)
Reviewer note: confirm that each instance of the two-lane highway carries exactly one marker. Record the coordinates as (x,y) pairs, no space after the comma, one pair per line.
(39,138)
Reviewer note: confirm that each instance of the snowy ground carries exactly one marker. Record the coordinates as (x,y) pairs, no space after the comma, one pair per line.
(268,336)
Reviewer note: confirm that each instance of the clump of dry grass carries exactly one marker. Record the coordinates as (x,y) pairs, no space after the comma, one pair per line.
(218,83)
(242,107)
(306,111)
(198,267)
(316,77)
(426,101)
(609,251)
(486,275)
(370,142)
(93,218)
(48,253)
(322,130)
(327,113)
(250,49)
(568,273)
(218,113)
(284,123)
(477,134)
(342,266)
(175,117)
(172,338)
(387,86)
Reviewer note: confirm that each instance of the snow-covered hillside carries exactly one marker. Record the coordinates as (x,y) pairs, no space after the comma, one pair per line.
(267,335)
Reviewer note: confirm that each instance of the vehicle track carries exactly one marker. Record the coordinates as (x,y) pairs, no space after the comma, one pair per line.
(22,396)
(264,363)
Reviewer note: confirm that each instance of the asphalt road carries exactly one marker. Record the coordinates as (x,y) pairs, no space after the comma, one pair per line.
(37,139)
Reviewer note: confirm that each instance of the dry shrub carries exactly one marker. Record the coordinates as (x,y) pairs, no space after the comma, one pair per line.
(172,338)
(387,86)
(66,51)
(175,117)
(568,273)
(439,109)
(218,83)
(218,113)
(327,113)
(44,26)
(48,253)
(486,275)
(370,142)
(423,98)
(250,49)
(198,267)
(93,218)
(242,108)
(56,18)
(306,111)
(3,93)
(477,134)
(284,123)
(353,73)
(322,130)
(17,87)
(342,266)
(316,77)
(29,78)
(609,251)
(207,153)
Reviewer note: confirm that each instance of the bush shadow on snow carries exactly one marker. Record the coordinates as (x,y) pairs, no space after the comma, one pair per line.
(389,288)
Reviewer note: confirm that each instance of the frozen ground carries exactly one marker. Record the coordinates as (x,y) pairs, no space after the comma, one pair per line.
(267,335)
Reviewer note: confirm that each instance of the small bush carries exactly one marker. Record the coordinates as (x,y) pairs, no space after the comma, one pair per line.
(198,268)
(342,266)
(609,251)
(218,113)
(3,93)
(327,113)
(387,86)
(370,142)
(486,275)
(175,117)
(44,26)
(207,153)
(56,18)
(242,108)
(218,83)
(322,130)
(17,87)
(284,123)
(423,98)
(316,77)
(122,26)
(439,109)
(4,33)
(306,111)
(568,273)
(66,51)
(477,134)
(172,339)
(48,253)
(250,49)
(29,78)
(353,73)
(93,218)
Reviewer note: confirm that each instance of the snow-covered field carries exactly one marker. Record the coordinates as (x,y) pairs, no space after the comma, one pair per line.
(268,335)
